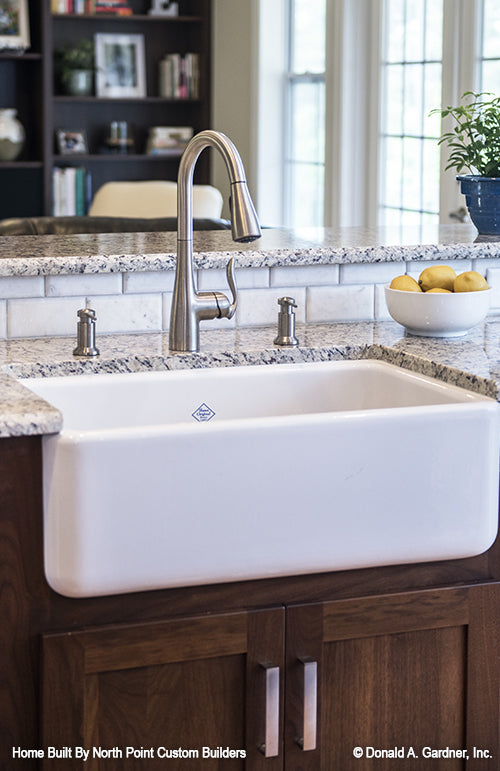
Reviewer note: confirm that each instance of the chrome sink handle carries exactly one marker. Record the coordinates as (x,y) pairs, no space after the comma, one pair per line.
(226,308)
(231,280)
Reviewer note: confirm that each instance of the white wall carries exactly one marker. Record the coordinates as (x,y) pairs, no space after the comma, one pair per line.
(234,66)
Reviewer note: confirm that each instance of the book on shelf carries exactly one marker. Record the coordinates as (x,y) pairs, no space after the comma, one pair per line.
(179,76)
(91,7)
(71,191)
(113,7)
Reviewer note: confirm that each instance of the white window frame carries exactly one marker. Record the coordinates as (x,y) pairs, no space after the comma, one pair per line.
(293,78)
(352,111)
(353,93)
(269,118)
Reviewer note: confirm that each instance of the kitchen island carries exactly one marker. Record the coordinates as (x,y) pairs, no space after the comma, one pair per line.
(406,656)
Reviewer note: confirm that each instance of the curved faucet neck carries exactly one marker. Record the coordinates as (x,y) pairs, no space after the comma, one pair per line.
(234,168)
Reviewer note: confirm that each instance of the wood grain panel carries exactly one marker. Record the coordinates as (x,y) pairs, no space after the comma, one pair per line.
(21,595)
(162,642)
(394,691)
(392,613)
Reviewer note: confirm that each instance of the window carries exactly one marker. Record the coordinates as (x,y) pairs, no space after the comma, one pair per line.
(358,144)
(304,168)
(411,88)
(490,54)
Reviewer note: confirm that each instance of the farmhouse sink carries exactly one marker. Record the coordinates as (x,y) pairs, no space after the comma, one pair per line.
(166,479)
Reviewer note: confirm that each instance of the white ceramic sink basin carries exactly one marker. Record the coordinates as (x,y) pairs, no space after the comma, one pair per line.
(202,476)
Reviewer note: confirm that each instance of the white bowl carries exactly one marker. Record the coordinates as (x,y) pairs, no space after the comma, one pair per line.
(437,314)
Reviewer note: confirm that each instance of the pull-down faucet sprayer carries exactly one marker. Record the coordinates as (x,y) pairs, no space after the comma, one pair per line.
(189,306)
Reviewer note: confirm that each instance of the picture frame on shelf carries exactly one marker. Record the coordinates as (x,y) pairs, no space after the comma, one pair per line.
(71,142)
(120,65)
(14,25)
(168,140)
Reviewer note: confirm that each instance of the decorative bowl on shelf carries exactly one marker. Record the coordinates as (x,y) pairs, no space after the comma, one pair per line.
(437,314)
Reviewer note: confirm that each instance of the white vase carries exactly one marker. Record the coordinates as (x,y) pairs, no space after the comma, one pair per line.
(11,135)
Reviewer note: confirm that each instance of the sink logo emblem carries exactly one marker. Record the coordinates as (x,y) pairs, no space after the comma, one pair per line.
(203,413)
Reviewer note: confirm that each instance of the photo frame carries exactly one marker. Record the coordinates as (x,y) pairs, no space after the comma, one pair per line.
(14,25)
(120,65)
(71,142)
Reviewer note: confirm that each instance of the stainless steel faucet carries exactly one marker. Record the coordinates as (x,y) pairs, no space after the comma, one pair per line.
(189,306)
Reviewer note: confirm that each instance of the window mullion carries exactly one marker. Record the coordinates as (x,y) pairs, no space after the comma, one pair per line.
(352,88)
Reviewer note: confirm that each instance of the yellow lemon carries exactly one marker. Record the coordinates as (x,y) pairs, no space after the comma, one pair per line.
(405,284)
(437,289)
(470,281)
(437,277)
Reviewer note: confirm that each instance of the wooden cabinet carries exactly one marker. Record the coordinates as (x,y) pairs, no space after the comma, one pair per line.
(182,689)
(396,658)
(400,672)
(28,82)
(408,673)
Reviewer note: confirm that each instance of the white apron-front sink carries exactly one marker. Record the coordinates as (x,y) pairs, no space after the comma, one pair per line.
(166,479)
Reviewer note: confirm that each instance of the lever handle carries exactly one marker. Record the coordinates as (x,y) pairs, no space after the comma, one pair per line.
(225,307)
(231,280)
(86,314)
(287,304)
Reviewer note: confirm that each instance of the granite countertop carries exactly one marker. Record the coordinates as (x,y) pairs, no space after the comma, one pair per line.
(123,252)
(472,361)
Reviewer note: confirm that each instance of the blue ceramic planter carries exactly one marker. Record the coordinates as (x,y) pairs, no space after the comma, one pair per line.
(482,196)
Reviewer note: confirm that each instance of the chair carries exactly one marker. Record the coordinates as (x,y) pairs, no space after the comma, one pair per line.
(154,198)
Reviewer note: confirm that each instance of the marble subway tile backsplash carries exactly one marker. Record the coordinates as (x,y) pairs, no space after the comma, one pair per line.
(259,307)
(347,302)
(94,283)
(139,301)
(43,317)
(3,319)
(312,275)
(22,286)
(128,313)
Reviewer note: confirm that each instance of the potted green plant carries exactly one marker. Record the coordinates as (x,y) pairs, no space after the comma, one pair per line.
(74,65)
(474,144)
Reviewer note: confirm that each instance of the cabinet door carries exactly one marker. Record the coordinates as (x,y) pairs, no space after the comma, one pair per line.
(397,673)
(164,688)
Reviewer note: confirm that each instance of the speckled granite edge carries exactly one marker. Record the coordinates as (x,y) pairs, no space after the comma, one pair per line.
(463,363)
(22,413)
(444,372)
(139,252)
(123,263)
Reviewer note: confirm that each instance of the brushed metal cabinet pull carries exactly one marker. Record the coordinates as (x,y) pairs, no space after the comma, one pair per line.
(270,746)
(309,704)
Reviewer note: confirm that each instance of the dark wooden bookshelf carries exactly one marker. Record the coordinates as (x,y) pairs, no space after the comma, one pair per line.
(28,84)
